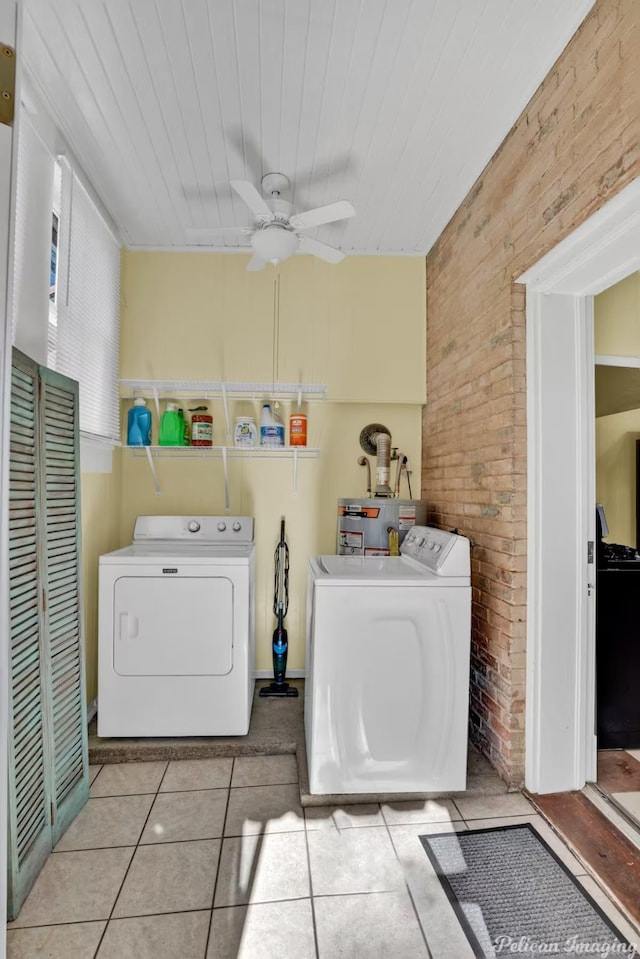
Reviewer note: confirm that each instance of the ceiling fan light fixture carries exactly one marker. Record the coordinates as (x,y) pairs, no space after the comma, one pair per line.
(277,234)
(274,243)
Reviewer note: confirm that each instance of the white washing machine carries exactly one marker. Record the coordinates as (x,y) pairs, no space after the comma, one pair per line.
(177,629)
(387,668)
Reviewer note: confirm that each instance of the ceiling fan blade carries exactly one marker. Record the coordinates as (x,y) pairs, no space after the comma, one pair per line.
(341,210)
(323,250)
(251,197)
(256,263)
(248,152)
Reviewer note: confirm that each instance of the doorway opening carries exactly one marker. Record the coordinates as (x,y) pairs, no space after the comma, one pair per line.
(617,432)
(561,742)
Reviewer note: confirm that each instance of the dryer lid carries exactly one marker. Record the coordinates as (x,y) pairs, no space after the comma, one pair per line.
(170,551)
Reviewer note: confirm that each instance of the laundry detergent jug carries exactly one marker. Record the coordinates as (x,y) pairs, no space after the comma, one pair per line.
(139,424)
(172,426)
(271,427)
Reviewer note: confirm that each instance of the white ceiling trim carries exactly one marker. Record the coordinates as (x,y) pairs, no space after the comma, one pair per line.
(247,250)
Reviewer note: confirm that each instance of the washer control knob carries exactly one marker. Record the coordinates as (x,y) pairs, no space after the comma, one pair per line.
(193,526)
(237,527)
(222,527)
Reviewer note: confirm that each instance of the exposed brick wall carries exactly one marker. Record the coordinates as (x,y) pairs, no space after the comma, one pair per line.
(575,146)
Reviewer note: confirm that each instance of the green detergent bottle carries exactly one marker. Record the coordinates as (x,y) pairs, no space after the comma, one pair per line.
(172,426)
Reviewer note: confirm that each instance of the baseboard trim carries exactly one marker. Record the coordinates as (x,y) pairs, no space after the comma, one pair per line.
(92,708)
(291,674)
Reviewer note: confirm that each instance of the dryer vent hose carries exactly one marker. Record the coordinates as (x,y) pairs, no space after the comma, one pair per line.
(376,438)
(383,466)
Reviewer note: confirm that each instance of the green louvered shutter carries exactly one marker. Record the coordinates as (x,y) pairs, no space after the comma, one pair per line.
(29,815)
(59,541)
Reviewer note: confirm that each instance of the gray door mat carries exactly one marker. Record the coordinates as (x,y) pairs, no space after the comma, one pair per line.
(513,896)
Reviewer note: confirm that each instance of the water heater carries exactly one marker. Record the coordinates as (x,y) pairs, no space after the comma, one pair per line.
(366,527)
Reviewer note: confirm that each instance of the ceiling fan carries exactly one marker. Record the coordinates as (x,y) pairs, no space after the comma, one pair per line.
(277,233)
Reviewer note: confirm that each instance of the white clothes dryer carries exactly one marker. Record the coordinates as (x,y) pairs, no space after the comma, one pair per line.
(387,668)
(176,631)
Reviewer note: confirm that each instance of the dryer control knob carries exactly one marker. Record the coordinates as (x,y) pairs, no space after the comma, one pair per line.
(222,527)
(193,526)
(237,527)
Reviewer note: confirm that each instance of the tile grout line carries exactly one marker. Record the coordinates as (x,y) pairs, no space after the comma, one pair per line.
(349,895)
(176,842)
(88,922)
(52,925)
(311,893)
(215,881)
(406,885)
(195,789)
(136,847)
(124,795)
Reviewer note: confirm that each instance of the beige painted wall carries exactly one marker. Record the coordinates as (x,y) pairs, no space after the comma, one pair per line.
(358,327)
(100,533)
(617,319)
(617,333)
(201,316)
(616,437)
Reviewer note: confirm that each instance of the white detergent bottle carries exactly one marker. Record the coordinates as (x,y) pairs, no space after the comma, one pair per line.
(271,427)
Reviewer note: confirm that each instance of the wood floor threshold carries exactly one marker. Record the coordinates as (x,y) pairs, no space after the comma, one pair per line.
(618,771)
(606,852)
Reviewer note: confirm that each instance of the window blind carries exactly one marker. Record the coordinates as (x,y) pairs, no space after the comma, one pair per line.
(87,335)
(32,241)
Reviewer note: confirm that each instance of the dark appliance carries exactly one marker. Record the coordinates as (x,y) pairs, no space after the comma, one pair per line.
(617,642)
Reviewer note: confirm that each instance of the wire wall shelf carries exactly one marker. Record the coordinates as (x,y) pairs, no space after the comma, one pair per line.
(161,390)
(206,389)
(233,452)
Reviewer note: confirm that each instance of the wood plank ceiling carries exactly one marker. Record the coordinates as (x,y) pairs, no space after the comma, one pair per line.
(395,105)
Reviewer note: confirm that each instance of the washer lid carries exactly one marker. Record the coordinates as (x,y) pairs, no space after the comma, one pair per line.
(376,571)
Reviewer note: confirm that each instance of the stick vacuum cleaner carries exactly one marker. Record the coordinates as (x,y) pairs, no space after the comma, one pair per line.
(280,606)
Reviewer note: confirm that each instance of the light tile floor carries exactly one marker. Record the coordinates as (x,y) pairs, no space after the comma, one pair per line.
(630,802)
(216,859)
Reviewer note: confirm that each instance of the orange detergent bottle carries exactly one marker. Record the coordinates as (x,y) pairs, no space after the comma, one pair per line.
(298,429)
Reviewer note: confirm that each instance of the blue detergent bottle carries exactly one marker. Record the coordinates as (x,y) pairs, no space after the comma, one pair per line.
(139,423)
